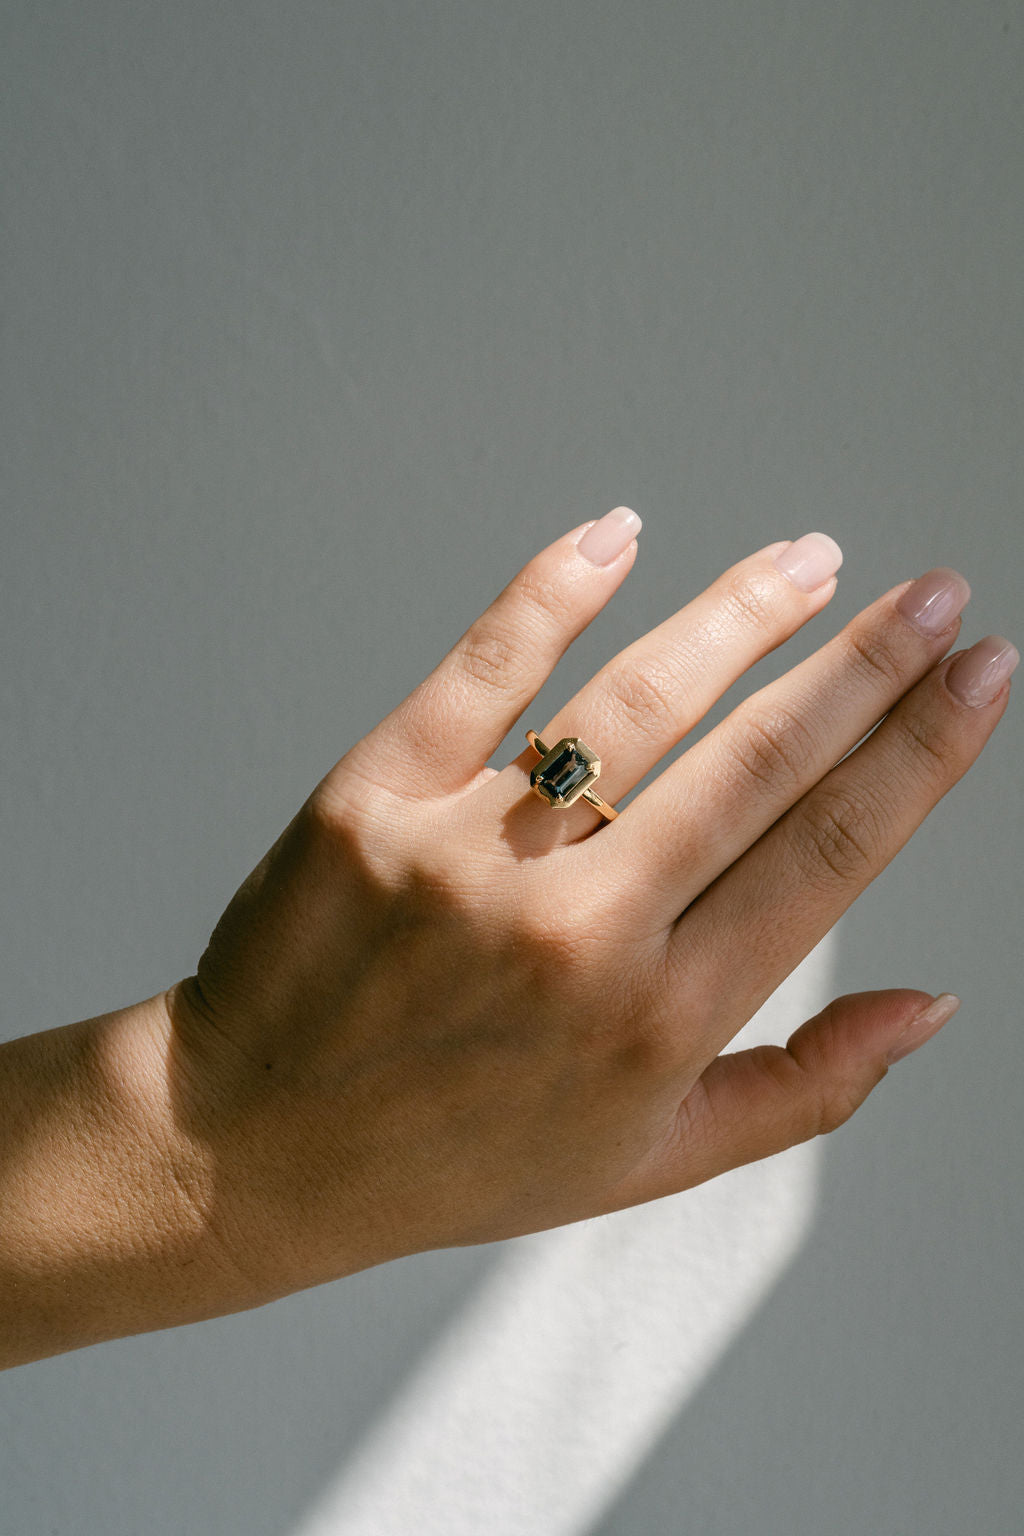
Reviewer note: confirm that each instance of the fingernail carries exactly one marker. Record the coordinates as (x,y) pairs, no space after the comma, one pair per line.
(924,1026)
(978,675)
(934,600)
(810,561)
(609,536)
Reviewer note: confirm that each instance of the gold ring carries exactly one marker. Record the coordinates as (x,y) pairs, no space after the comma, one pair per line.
(565,773)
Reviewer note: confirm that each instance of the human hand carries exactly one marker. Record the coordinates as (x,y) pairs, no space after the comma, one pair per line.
(439,1012)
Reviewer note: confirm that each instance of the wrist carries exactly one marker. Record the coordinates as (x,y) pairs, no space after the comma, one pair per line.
(106,1191)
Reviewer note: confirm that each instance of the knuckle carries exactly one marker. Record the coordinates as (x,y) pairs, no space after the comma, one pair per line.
(540,593)
(350,797)
(491,655)
(837,1100)
(496,649)
(752,602)
(828,1096)
(330,806)
(360,831)
(339,826)
(837,837)
(875,657)
(773,751)
(927,744)
(645,691)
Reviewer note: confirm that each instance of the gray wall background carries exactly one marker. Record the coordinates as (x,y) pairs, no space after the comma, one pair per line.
(318,320)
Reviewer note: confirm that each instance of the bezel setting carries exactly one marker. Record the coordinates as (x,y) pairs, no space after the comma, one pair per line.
(565,772)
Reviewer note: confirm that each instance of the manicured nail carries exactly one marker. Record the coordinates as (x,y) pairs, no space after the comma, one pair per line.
(934,600)
(810,561)
(977,675)
(924,1026)
(609,536)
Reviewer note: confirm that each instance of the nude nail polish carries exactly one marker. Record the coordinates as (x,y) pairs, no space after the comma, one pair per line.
(609,536)
(933,601)
(810,561)
(924,1026)
(977,676)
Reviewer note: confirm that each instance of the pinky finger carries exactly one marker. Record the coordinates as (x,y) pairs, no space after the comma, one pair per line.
(462,711)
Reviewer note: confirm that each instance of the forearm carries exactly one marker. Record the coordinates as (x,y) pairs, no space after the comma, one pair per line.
(104,1191)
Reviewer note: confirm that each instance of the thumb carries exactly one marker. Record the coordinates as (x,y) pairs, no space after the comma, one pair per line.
(750,1104)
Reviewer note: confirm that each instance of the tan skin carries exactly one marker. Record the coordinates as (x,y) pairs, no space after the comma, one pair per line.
(439,1012)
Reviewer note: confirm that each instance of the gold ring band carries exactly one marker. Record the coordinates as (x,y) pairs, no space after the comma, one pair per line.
(565,773)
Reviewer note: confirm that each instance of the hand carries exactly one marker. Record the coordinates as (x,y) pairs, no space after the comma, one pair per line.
(440,1012)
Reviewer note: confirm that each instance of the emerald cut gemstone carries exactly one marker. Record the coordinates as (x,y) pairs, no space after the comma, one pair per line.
(568,769)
